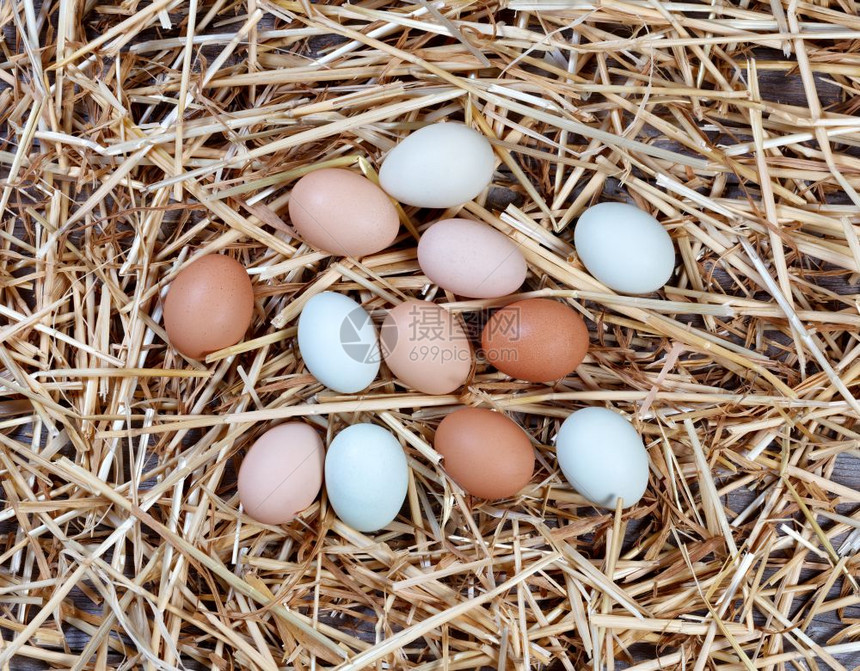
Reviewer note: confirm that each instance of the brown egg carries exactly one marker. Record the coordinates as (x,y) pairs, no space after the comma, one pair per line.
(485,452)
(342,212)
(536,339)
(209,306)
(282,473)
(425,347)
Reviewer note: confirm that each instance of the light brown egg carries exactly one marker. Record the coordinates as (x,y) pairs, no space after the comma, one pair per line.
(282,473)
(343,213)
(209,306)
(536,339)
(485,452)
(425,347)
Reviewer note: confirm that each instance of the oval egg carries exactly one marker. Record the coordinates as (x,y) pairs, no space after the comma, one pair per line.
(338,342)
(624,248)
(366,476)
(485,452)
(602,457)
(439,165)
(282,473)
(342,213)
(425,347)
(471,259)
(208,306)
(536,339)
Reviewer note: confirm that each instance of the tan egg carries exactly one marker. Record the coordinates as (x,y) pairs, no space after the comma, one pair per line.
(485,452)
(471,259)
(342,213)
(282,473)
(209,306)
(537,339)
(425,347)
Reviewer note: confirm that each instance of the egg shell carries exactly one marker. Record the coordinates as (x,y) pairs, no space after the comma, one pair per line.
(536,339)
(342,213)
(366,476)
(624,248)
(440,165)
(425,347)
(485,452)
(471,259)
(602,456)
(208,306)
(338,342)
(282,473)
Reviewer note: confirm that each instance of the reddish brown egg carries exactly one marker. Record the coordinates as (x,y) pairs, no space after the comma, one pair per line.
(485,452)
(209,306)
(536,339)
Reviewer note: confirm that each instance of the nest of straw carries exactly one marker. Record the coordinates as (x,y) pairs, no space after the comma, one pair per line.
(137,136)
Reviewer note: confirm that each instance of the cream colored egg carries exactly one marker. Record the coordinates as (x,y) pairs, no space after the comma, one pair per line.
(440,165)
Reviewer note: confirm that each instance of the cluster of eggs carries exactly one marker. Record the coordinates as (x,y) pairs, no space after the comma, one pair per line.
(364,468)
(210,305)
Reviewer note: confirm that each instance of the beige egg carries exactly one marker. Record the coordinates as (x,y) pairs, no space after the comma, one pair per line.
(282,473)
(425,347)
(438,165)
(471,259)
(343,213)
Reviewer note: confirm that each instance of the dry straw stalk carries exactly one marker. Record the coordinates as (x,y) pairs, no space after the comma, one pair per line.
(137,136)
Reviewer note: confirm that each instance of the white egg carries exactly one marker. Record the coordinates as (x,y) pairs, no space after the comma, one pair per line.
(440,165)
(338,342)
(366,476)
(624,248)
(602,456)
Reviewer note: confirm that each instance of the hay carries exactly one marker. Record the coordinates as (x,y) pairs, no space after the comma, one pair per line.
(138,136)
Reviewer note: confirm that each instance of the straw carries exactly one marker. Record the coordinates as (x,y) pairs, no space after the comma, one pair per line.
(140,136)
